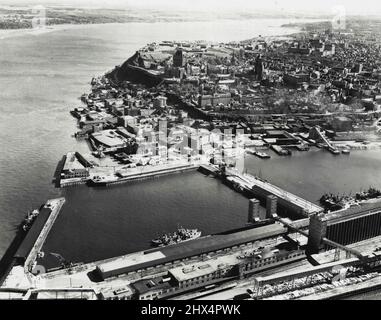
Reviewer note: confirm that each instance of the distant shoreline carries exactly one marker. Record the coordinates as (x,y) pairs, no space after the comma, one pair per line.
(7,33)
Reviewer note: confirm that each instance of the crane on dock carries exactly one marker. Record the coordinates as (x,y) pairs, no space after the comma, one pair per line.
(323,137)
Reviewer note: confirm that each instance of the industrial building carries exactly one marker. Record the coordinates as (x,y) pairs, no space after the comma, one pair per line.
(75,166)
(192,249)
(212,271)
(345,227)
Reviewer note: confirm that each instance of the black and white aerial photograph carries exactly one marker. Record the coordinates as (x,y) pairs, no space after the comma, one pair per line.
(190,150)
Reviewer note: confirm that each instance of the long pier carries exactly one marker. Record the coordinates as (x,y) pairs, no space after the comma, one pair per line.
(55,206)
(263,188)
(145,175)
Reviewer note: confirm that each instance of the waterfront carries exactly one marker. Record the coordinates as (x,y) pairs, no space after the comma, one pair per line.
(139,211)
(35,123)
(327,173)
(38,119)
(124,218)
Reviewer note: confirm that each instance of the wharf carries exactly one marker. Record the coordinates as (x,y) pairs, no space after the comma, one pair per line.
(18,273)
(255,187)
(285,198)
(136,176)
(39,230)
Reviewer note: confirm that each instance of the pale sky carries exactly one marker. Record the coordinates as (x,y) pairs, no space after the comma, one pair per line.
(358,7)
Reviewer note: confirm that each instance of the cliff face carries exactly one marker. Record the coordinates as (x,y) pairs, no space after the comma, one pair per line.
(133,70)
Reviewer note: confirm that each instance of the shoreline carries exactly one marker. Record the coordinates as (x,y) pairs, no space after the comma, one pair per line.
(9,33)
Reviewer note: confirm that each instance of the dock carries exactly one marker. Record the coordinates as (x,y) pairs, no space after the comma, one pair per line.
(255,187)
(261,188)
(148,174)
(35,239)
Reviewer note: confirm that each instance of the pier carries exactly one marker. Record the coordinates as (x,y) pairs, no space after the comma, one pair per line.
(254,187)
(35,239)
(262,189)
(137,175)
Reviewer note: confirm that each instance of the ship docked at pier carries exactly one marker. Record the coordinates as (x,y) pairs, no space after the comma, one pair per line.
(262,155)
(180,235)
(28,221)
(331,202)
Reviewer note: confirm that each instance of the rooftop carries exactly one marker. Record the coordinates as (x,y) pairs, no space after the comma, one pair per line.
(72,163)
(191,248)
(129,260)
(184,273)
(109,138)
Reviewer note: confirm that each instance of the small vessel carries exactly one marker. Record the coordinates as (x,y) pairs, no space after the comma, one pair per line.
(262,155)
(281,151)
(346,151)
(102,180)
(333,150)
(180,235)
(31,216)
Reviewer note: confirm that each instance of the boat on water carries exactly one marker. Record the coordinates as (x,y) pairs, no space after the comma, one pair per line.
(180,235)
(346,151)
(102,180)
(262,155)
(334,151)
(281,151)
(31,216)
(331,202)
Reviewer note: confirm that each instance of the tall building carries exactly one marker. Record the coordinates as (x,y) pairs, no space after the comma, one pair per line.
(253,215)
(259,67)
(271,206)
(179,59)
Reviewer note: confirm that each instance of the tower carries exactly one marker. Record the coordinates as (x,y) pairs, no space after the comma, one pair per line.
(259,68)
(271,206)
(317,231)
(179,58)
(253,215)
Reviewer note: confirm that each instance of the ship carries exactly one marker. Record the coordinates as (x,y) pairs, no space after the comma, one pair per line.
(262,155)
(102,180)
(31,216)
(180,235)
(332,202)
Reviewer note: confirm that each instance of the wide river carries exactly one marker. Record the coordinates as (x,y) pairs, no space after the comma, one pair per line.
(41,77)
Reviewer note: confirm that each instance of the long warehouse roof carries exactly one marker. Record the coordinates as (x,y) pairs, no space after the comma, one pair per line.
(193,248)
(33,233)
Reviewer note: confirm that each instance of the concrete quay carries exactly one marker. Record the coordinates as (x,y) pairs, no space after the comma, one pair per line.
(286,199)
(55,206)
(145,175)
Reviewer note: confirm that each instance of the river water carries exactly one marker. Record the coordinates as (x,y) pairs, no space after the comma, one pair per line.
(41,78)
